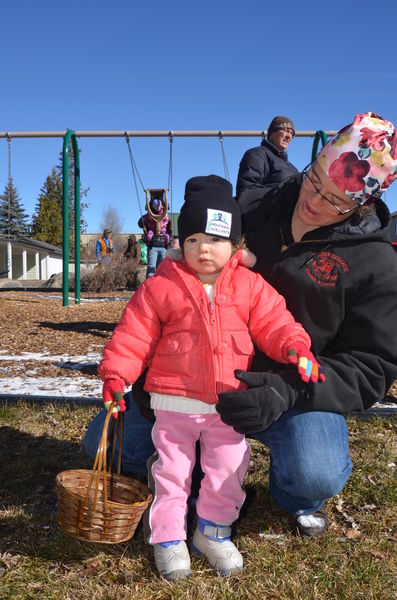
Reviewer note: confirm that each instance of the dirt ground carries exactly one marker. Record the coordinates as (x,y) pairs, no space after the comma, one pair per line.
(36,322)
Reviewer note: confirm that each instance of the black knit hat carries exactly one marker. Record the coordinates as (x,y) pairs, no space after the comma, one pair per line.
(280,122)
(210,208)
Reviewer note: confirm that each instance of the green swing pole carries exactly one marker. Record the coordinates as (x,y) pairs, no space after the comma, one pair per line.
(318,135)
(70,135)
(76,220)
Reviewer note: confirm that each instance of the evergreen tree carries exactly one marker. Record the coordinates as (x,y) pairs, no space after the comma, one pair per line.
(13,218)
(47,222)
(47,219)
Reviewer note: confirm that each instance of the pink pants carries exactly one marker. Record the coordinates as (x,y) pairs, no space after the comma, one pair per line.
(225,456)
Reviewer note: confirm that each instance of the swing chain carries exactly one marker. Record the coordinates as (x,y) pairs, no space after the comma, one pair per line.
(225,167)
(135,172)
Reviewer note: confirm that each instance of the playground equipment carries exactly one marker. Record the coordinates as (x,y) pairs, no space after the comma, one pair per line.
(71,136)
(9,188)
(151,193)
(319,135)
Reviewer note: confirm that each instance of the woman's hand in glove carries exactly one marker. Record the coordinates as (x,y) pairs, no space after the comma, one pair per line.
(269,396)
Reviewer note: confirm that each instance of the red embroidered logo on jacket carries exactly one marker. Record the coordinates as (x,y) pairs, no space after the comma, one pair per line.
(325,268)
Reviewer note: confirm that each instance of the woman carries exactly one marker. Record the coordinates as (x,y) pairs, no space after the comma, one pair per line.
(157,229)
(323,241)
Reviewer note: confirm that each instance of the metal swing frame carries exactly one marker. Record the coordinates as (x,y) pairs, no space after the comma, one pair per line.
(70,135)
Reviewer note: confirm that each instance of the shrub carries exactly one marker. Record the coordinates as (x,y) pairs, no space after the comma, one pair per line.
(121,274)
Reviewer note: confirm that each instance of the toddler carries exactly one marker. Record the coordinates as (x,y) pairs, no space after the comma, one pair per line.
(193,324)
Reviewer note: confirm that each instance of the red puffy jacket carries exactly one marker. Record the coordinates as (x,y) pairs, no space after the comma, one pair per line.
(191,345)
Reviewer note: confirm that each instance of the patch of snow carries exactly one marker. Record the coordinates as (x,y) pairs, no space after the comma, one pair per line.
(91,358)
(52,386)
(79,386)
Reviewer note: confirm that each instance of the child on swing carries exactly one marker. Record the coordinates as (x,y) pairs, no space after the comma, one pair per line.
(192,325)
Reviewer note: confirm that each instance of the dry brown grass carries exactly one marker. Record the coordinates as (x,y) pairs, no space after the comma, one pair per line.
(356,559)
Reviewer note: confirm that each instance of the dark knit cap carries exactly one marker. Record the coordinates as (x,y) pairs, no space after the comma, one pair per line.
(280,122)
(210,208)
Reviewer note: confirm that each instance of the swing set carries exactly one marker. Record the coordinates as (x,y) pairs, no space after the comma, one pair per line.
(70,139)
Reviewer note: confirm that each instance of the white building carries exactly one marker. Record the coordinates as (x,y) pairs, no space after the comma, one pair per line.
(28,259)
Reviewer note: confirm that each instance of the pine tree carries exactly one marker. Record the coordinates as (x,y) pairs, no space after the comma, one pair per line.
(47,218)
(47,222)
(13,218)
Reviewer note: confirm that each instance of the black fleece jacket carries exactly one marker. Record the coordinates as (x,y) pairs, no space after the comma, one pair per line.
(340,282)
(263,167)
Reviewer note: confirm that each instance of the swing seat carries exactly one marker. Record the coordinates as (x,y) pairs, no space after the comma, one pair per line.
(159,194)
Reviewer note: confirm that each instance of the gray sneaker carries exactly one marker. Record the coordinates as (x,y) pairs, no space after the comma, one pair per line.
(312,525)
(222,556)
(172,562)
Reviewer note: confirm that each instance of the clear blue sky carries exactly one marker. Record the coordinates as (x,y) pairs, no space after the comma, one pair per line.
(176,65)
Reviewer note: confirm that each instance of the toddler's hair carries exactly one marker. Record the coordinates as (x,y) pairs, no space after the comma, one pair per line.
(240,245)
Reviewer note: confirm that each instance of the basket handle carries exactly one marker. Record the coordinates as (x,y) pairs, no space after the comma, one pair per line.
(117,430)
(100,466)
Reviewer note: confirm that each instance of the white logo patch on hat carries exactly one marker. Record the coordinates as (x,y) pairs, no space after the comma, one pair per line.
(219,222)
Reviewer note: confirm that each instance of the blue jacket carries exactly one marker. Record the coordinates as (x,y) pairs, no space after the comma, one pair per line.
(109,251)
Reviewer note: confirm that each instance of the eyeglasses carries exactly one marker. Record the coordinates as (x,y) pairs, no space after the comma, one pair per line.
(340,211)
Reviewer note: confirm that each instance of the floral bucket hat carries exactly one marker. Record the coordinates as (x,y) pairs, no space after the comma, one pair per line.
(361,159)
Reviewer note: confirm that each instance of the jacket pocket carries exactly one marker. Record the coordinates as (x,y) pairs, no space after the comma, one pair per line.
(176,361)
(243,350)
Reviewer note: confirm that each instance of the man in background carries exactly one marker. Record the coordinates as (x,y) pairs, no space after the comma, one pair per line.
(105,247)
(266,166)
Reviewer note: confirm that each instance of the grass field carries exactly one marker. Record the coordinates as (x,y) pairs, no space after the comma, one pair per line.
(356,559)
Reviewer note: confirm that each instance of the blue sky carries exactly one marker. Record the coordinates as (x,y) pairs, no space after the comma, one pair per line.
(208,65)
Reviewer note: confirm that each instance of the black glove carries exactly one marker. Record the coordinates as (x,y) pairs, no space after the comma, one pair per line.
(269,396)
(142,398)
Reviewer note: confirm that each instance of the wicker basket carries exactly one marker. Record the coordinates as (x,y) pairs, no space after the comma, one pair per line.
(108,510)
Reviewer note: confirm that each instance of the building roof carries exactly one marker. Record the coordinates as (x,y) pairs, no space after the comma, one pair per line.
(32,243)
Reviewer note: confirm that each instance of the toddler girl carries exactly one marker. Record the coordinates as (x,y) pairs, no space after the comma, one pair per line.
(192,325)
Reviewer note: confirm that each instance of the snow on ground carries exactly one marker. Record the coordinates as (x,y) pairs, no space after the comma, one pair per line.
(51,386)
(91,358)
(36,373)
(63,386)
